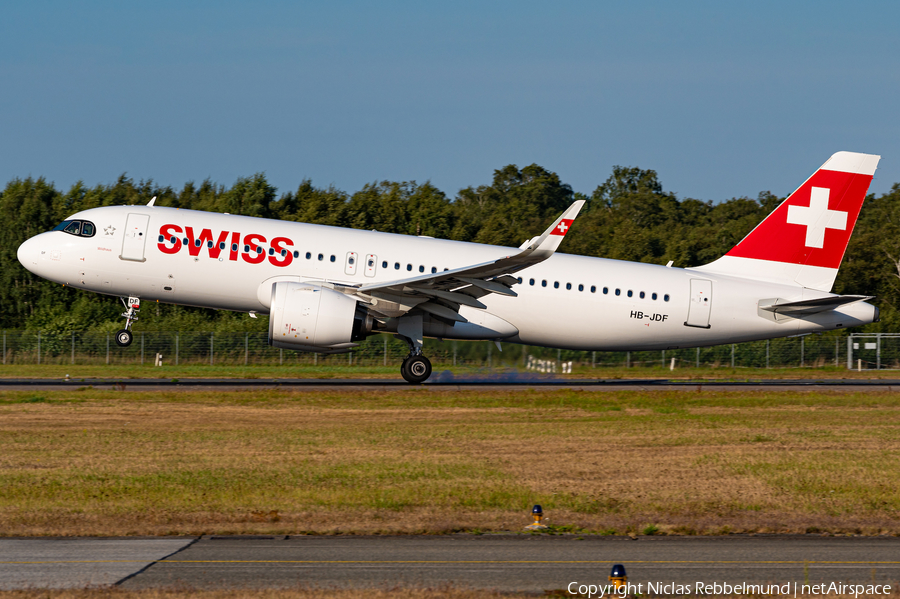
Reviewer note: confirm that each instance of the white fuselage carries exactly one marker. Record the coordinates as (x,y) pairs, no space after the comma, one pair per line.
(578,308)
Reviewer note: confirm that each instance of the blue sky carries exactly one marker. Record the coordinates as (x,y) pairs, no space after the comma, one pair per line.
(721,99)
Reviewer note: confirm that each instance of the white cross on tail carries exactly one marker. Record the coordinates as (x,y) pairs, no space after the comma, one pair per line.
(817,217)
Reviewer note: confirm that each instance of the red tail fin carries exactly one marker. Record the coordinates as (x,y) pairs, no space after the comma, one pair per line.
(804,239)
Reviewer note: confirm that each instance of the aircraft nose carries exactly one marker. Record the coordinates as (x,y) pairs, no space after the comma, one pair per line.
(29,254)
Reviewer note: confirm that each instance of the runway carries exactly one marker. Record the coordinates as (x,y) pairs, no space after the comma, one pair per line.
(483,382)
(507,562)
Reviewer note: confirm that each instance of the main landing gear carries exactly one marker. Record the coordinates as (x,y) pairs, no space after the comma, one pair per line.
(416,368)
(124,337)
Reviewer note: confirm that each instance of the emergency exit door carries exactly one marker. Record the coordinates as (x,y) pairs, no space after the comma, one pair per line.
(135,237)
(701,302)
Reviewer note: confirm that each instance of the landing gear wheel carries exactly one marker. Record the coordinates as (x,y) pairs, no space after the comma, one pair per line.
(416,369)
(124,338)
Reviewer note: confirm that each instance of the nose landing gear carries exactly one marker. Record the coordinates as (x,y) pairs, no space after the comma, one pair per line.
(124,337)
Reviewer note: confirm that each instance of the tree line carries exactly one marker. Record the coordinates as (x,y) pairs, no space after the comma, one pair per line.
(628,217)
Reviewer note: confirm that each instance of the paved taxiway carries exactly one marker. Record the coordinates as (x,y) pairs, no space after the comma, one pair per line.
(532,563)
(493,382)
(67,563)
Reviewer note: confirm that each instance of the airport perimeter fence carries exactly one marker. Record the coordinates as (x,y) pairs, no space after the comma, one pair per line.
(864,351)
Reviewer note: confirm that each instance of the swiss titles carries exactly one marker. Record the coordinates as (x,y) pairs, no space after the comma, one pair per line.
(222,245)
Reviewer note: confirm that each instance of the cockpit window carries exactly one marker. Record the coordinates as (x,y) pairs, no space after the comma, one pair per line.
(81,228)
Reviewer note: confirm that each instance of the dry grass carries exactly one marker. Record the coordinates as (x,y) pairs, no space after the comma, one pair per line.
(107,463)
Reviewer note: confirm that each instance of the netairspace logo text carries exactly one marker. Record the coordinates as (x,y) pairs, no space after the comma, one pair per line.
(724,588)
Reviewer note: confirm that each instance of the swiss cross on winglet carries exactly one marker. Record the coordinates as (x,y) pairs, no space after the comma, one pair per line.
(562,227)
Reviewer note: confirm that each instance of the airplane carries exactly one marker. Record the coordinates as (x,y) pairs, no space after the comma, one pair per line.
(325,288)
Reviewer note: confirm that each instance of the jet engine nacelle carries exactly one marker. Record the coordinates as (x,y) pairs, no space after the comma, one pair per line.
(311,318)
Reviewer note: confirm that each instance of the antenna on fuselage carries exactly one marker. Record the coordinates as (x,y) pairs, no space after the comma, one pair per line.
(153,199)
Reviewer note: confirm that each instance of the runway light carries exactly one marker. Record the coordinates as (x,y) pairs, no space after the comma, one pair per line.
(538,514)
(618,577)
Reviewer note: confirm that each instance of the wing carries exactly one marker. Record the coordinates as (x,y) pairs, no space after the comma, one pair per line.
(442,293)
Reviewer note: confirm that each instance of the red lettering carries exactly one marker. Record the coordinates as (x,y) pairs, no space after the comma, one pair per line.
(253,256)
(216,249)
(278,244)
(205,236)
(235,243)
(168,232)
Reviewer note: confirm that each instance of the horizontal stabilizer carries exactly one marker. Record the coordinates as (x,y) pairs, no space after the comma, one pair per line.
(812,306)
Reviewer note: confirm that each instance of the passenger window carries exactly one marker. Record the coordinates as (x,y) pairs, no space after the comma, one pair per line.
(642,295)
(580,287)
(384,264)
(653,296)
(544,283)
(296,254)
(209,243)
(569,286)
(332,257)
(409,267)
(593,289)
(421,268)
(519,279)
(197,243)
(271,251)
(556,284)
(605,290)
(259,250)
(161,238)
(618,292)
(666,297)
(630,293)
(284,252)
(308,255)
(321,257)
(222,245)
(350,261)
(433,269)
(396,266)
(185,242)
(87,229)
(531,282)
(246,249)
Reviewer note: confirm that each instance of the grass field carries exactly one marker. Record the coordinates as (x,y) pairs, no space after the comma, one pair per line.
(168,372)
(89,462)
